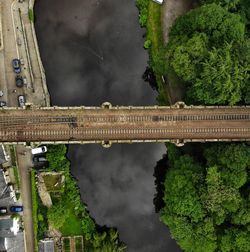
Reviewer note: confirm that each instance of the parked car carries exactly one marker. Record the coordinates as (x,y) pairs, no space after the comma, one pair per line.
(16,209)
(39,159)
(19,81)
(1,93)
(3,103)
(40,162)
(40,165)
(16,66)
(3,210)
(21,100)
(39,150)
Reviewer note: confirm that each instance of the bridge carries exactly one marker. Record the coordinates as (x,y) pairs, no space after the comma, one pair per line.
(106,124)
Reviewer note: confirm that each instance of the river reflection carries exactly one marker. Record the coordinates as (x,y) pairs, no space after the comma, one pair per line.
(92,52)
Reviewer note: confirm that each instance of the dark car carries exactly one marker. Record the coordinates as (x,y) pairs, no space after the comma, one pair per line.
(39,159)
(40,162)
(16,209)
(3,210)
(3,103)
(16,66)
(19,81)
(21,100)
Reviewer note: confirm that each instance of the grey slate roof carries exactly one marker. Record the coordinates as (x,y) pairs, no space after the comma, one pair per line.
(2,156)
(46,245)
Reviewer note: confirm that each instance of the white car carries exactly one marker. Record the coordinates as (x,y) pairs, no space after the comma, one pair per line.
(39,150)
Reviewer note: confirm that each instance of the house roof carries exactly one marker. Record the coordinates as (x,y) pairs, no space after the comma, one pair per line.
(2,155)
(46,245)
(8,227)
(2,244)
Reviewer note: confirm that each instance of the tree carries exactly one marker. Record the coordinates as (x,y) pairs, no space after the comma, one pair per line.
(56,156)
(222,78)
(107,241)
(58,214)
(205,51)
(228,4)
(207,206)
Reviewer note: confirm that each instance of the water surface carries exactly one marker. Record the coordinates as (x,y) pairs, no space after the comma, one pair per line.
(92,52)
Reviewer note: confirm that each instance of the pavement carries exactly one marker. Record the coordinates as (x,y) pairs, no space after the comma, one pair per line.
(18,40)
(24,165)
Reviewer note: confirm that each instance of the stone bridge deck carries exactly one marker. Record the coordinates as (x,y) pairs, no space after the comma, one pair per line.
(106,125)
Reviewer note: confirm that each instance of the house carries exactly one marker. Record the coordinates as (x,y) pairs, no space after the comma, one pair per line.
(3,156)
(9,227)
(46,245)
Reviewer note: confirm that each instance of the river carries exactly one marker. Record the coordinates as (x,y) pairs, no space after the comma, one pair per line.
(92,52)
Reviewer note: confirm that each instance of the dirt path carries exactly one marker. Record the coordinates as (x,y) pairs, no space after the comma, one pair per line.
(171,9)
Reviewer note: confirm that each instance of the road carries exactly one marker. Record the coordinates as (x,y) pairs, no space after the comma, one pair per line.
(125,124)
(16,27)
(24,165)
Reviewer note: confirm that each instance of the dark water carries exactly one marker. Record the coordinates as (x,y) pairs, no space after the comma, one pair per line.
(92,52)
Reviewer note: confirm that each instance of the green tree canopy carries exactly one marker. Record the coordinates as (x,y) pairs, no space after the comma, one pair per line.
(207,206)
(58,214)
(228,4)
(205,50)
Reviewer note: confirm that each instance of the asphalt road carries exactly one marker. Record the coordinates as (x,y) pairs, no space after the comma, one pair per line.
(24,165)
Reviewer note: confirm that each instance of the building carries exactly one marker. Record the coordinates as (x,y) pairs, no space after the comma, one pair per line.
(46,245)
(9,227)
(3,156)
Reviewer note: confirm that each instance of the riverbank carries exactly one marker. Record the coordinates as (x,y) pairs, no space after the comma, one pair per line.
(66,217)
(158,19)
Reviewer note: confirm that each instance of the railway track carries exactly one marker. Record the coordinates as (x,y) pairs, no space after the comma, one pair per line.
(125,125)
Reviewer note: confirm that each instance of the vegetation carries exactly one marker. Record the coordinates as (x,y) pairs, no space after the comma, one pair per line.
(209,51)
(205,201)
(68,214)
(34,207)
(54,182)
(17,178)
(31,15)
(207,205)
(150,18)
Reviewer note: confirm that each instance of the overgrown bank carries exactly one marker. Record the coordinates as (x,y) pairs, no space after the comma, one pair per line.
(67,214)
(206,196)
(150,18)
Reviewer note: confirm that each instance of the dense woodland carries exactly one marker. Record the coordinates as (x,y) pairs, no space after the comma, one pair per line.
(204,193)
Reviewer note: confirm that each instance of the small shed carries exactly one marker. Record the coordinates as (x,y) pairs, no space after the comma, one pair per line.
(46,245)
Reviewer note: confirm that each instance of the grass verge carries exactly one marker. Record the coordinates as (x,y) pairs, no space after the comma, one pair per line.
(34,207)
(156,50)
(31,15)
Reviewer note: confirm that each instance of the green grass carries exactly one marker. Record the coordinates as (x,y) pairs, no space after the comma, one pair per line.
(72,225)
(34,207)
(156,50)
(31,15)
(17,178)
(15,170)
(53,182)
